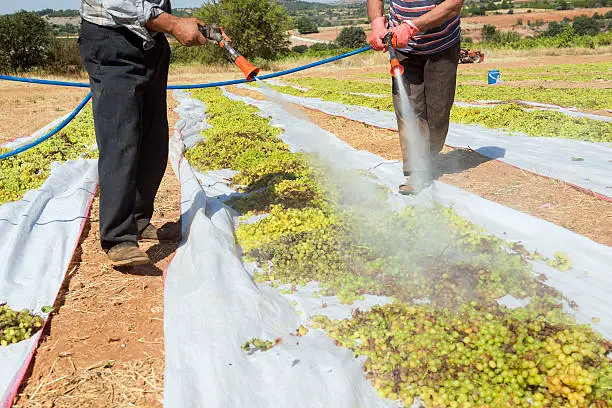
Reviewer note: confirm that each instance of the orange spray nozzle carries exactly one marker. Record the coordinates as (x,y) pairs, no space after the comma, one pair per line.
(396,68)
(249,70)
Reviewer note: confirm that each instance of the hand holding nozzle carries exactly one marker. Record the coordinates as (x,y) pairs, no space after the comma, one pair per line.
(218,36)
(214,33)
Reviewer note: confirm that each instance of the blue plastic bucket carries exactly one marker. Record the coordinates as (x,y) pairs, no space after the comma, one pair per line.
(493,77)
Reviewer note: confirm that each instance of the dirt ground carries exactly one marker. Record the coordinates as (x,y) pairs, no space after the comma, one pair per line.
(104,345)
(506,20)
(548,199)
(25,108)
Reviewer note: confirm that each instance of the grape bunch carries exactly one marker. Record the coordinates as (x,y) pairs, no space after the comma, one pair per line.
(17,326)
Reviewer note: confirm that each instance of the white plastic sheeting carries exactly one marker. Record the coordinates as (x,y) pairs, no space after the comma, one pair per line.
(38,236)
(584,164)
(212,306)
(589,281)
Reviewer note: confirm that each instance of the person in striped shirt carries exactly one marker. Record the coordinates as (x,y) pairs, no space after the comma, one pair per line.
(427,33)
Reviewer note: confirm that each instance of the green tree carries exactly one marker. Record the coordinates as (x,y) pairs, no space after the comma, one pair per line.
(26,41)
(351,37)
(258,28)
(488,32)
(305,25)
(584,25)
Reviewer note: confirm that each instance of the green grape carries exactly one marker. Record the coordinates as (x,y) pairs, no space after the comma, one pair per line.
(257,344)
(476,356)
(17,326)
(561,261)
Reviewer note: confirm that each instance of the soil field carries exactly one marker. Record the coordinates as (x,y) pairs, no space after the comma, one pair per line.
(25,108)
(504,21)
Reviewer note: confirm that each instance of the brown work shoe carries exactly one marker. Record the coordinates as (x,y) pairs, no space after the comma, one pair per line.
(127,254)
(168,233)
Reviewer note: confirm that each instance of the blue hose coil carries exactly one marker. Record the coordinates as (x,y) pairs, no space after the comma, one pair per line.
(194,86)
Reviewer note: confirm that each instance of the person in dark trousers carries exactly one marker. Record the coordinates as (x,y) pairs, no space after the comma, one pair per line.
(427,34)
(126,54)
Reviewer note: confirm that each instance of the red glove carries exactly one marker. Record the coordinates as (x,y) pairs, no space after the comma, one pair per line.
(404,32)
(379,30)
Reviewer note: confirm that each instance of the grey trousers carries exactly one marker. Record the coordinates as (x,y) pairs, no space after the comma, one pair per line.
(128,85)
(430,81)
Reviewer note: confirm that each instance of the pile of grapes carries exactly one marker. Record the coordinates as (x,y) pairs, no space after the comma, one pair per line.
(477,357)
(17,326)
(462,348)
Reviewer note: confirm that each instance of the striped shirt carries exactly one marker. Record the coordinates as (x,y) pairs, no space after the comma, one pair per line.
(429,41)
(131,14)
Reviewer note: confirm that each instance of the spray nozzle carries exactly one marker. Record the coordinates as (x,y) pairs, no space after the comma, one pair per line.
(216,34)
(390,41)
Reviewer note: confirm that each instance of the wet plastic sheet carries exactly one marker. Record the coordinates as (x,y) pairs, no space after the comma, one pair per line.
(584,164)
(212,307)
(38,235)
(589,281)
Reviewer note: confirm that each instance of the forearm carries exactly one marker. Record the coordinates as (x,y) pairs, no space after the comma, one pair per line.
(164,23)
(375,9)
(437,16)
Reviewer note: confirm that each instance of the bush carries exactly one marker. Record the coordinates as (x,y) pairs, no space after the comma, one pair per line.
(26,41)
(258,28)
(519,21)
(488,31)
(584,25)
(65,57)
(351,37)
(506,37)
(554,28)
(305,25)
(300,49)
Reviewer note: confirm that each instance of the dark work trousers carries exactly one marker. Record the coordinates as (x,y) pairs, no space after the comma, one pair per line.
(430,80)
(128,85)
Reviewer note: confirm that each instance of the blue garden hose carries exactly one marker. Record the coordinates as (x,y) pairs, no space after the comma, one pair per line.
(194,86)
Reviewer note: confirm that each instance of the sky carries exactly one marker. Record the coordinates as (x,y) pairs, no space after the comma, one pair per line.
(8,6)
